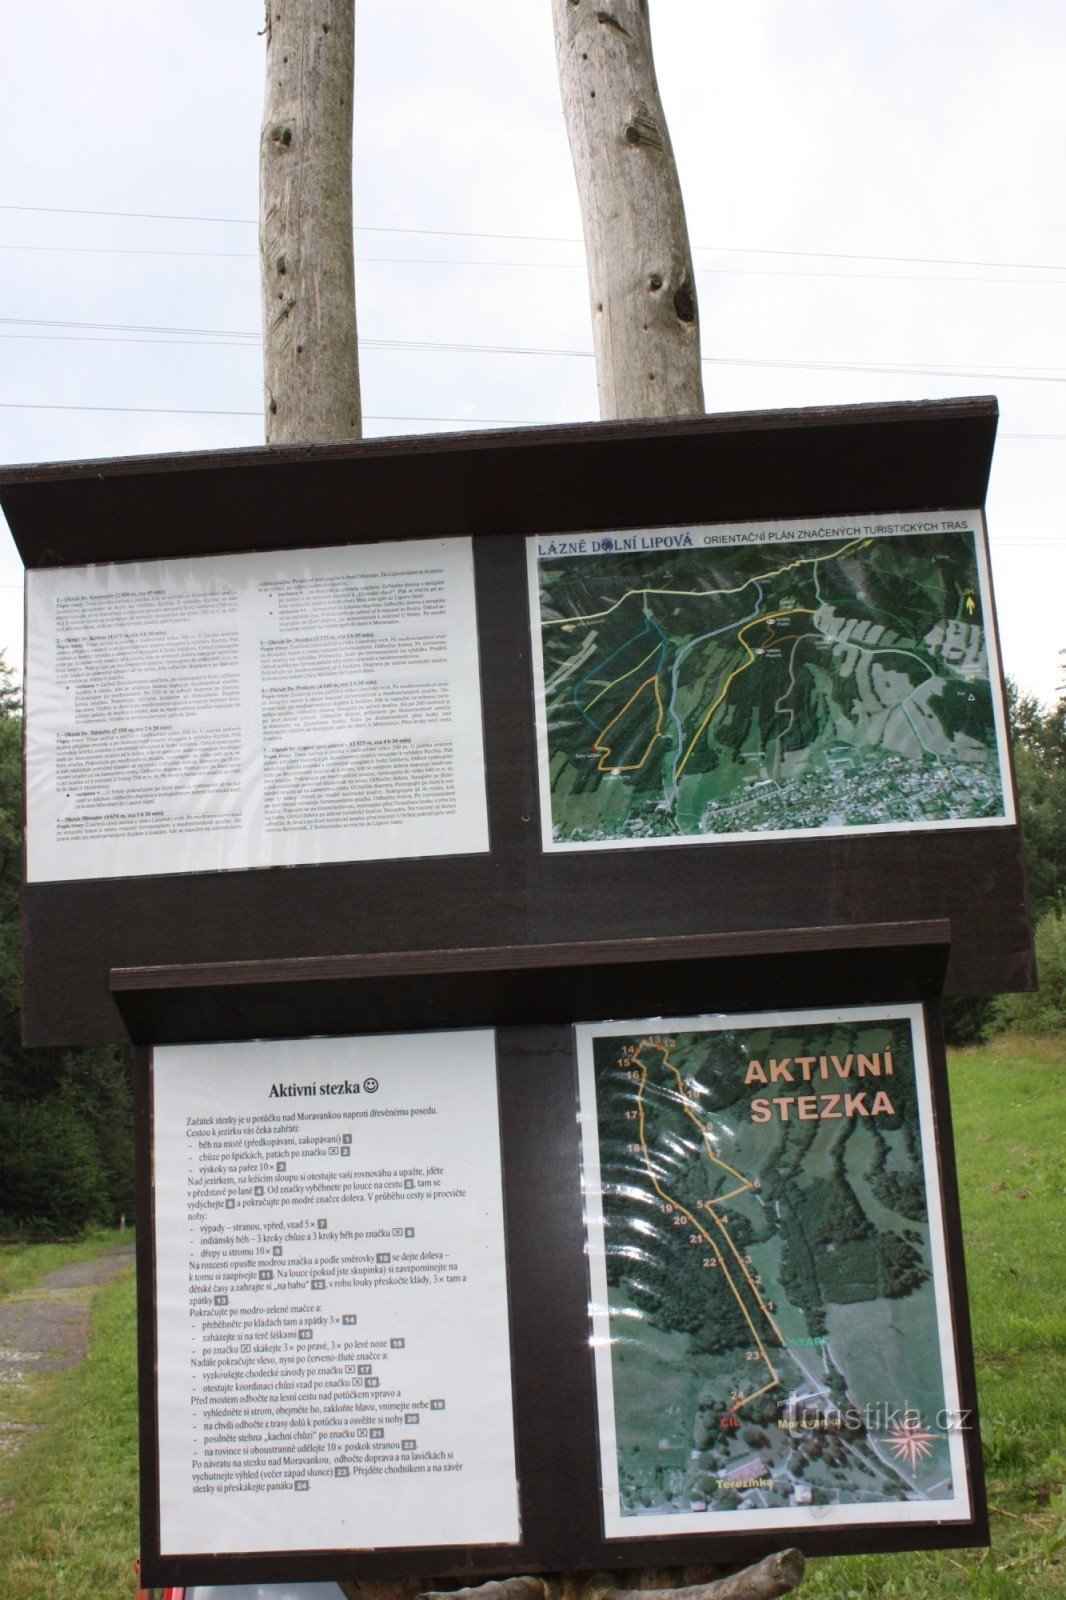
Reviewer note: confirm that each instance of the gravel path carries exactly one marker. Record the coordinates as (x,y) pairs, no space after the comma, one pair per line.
(47,1327)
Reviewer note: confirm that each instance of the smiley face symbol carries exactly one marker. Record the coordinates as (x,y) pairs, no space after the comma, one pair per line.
(370,1085)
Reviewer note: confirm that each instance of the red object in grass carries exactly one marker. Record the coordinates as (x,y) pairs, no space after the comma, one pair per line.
(155,1594)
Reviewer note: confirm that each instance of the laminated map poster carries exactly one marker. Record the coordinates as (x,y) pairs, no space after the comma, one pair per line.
(760,679)
(771,1320)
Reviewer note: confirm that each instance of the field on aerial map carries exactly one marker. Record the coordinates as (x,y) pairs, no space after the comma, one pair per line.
(699,683)
(768,1273)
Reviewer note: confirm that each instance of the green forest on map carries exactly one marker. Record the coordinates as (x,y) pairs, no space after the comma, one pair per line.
(773,1322)
(750,688)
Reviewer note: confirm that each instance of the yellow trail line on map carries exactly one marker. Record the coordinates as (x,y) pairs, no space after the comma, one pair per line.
(707,594)
(745,1185)
(654,651)
(685,1212)
(790,611)
(777,572)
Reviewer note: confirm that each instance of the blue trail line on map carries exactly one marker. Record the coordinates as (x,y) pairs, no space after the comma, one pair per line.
(678,659)
(601,666)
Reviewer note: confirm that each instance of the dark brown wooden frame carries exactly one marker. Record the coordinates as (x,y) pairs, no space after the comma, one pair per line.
(500,488)
(551,1354)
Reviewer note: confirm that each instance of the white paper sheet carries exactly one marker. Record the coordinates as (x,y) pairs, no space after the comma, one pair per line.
(253,710)
(333,1347)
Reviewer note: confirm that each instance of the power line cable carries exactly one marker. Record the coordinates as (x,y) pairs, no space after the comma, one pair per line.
(119,338)
(491,422)
(123,250)
(936,370)
(537,238)
(466,348)
(193,411)
(541,266)
(127,327)
(150,216)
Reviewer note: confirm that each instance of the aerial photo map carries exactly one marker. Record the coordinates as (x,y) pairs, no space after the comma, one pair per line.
(769,1285)
(766,678)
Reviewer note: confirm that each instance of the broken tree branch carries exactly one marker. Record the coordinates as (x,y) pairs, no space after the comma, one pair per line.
(766,1579)
(775,1575)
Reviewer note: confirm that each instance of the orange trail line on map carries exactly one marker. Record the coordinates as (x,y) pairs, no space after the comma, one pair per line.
(745,1185)
(677,1206)
(751,1282)
(604,750)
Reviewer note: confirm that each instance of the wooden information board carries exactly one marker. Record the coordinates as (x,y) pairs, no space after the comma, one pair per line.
(282,1418)
(793,520)
(528,865)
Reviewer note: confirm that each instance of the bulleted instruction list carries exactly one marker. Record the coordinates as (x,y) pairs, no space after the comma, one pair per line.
(331,1309)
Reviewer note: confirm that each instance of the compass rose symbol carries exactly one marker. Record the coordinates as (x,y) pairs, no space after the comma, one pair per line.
(910,1440)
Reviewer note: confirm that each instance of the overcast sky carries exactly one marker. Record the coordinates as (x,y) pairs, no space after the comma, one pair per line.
(874,191)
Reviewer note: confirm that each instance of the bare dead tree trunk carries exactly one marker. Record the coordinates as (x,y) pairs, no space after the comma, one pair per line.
(767,1579)
(645,320)
(306,265)
(647,357)
(646,334)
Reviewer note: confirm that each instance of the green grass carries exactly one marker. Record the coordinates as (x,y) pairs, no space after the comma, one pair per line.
(73,1531)
(22,1265)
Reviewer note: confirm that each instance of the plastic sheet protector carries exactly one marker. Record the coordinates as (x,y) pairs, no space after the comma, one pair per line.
(253,710)
(769,1293)
(767,679)
(334,1366)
